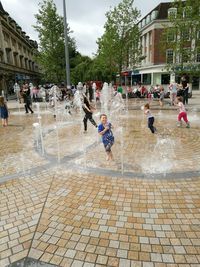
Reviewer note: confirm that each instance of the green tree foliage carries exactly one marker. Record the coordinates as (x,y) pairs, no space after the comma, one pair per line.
(118,48)
(51,55)
(183,37)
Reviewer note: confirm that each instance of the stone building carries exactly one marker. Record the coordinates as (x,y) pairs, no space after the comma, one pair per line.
(17,63)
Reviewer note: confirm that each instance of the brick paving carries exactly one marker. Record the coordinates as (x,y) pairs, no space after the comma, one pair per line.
(64,215)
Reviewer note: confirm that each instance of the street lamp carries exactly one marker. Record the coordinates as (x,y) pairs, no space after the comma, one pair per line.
(66,46)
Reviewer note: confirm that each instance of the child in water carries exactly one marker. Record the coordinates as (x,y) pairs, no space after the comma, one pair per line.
(150,118)
(104,129)
(3,112)
(182,113)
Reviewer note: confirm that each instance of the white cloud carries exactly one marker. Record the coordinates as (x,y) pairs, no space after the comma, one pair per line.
(86,17)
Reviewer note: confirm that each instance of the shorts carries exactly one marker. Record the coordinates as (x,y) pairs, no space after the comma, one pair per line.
(108,146)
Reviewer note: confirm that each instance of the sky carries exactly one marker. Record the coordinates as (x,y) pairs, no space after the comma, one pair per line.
(86,18)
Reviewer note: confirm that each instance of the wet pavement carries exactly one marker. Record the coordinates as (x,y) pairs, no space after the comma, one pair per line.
(65,205)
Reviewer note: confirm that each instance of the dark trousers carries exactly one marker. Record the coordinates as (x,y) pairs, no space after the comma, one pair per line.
(88,116)
(27,107)
(150,124)
(185,97)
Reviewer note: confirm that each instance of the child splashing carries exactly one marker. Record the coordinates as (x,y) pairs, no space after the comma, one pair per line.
(3,112)
(182,113)
(150,118)
(104,129)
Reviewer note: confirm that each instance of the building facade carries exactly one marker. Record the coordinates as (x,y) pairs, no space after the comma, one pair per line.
(17,63)
(153,69)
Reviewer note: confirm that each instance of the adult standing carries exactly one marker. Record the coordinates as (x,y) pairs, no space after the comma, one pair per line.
(173,92)
(16,88)
(27,98)
(185,87)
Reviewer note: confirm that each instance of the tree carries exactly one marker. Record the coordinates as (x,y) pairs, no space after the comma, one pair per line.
(118,48)
(182,38)
(51,55)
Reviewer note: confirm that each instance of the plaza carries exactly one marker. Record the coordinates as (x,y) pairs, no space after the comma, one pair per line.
(63,204)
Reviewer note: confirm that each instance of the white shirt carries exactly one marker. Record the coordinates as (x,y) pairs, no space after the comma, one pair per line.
(181,107)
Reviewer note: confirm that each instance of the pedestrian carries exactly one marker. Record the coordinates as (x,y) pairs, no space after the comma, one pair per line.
(27,99)
(173,92)
(150,118)
(88,109)
(182,113)
(162,96)
(16,88)
(3,112)
(185,94)
(104,129)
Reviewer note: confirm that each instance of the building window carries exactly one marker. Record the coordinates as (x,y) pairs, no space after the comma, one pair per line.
(172,12)
(19,47)
(187,12)
(165,79)
(15,58)
(169,56)
(147,78)
(186,55)
(21,62)
(186,35)
(6,37)
(8,55)
(13,42)
(26,65)
(170,36)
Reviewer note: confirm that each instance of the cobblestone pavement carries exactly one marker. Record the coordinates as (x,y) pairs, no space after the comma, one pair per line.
(69,207)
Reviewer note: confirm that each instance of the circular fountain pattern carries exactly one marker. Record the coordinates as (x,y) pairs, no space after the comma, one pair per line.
(172,152)
(169,153)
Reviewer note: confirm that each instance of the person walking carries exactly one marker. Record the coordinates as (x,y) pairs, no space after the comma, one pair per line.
(3,112)
(87,108)
(27,99)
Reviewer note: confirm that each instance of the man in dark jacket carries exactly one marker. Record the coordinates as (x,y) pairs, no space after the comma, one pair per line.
(27,98)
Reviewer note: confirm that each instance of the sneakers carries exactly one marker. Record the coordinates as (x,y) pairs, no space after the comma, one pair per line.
(179,124)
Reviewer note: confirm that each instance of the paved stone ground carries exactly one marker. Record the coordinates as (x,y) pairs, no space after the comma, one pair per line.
(69,207)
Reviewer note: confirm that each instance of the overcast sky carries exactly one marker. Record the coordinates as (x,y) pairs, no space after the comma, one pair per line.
(85,17)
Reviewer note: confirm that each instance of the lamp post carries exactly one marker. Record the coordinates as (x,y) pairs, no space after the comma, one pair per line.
(66,46)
